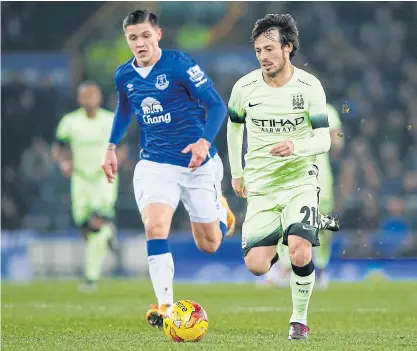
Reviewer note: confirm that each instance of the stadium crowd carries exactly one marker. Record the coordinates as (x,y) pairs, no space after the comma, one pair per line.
(367,63)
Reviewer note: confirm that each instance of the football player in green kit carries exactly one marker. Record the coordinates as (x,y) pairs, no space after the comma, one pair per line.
(285,113)
(80,138)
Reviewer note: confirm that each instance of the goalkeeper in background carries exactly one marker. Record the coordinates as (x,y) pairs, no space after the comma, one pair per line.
(80,138)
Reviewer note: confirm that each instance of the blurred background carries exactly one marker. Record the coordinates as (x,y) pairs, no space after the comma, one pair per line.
(364,53)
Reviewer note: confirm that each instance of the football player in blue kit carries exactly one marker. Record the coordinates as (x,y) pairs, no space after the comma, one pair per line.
(167,91)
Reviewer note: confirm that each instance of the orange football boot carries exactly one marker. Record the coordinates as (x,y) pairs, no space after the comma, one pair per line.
(155,315)
(231,219)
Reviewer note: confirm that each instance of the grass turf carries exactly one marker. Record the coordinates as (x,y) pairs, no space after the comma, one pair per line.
(52,315)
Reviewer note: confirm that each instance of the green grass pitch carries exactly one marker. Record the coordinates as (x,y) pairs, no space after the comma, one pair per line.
(52,315)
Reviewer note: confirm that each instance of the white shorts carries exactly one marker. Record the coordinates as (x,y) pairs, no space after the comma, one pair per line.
(199,191)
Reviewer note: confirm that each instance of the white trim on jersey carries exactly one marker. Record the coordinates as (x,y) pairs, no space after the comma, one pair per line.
(144,71)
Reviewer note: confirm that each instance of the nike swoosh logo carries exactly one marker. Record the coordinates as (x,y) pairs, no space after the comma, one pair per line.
(252,105)
(302,283)
(306,228)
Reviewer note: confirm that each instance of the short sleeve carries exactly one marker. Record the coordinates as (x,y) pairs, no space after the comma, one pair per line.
(318,107)
(64,130)
(334,118)
(236,109)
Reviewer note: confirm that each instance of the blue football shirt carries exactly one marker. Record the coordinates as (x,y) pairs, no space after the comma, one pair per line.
(166,104)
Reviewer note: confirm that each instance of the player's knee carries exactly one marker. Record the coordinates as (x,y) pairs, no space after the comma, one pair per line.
(208,245)
(155,229)
(95,222)
(300,253)
(207,236)
(300,258)
(257,265)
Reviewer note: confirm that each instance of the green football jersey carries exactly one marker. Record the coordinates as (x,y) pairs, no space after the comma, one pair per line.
(273,115)
(88,138)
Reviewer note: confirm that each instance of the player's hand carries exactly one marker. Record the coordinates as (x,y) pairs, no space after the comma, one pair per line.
(284,148)
(66,168)
(109,165)
(199,152)
(238,186)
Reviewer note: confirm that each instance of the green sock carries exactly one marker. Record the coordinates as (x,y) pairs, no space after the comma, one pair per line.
(97,246)
(301,289)
(323,252)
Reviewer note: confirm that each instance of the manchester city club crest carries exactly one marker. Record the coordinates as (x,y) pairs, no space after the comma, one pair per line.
(298,102)
(162,82)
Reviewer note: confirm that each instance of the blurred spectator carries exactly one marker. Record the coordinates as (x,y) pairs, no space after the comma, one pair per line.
(36,164)
(366,216)
(395,130)
(394,230)
(396,221)
(410,196)
(12,205)
(193,36)
(393,180)
(359,171)
(369,129)
(35,172)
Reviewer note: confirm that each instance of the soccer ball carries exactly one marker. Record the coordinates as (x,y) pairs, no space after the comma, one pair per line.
(185,320)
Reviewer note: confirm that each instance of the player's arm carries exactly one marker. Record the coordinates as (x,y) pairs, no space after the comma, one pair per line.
(122,153)
(200,86)
(216,113)
(235,130)
(61,150)
(122,118)
(336,131)
(319,142)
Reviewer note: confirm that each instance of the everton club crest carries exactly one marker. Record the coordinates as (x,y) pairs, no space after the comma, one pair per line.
(162,82)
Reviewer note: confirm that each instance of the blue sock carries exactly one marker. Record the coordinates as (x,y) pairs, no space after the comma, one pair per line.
(157,246)
(223,228)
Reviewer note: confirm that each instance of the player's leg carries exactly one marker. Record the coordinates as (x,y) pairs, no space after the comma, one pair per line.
(279,275)
(98,235)
(261,232)
(109,212)
(157,193)
(300,218)
(96,241)
(210,215)
(157,218)
(103,201)
(322,253)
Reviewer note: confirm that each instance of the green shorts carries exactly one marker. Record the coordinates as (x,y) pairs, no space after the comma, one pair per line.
(286,212)
(90,196)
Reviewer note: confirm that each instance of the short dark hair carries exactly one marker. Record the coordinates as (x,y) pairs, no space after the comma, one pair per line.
(88,83)
(141,16)
(287,28)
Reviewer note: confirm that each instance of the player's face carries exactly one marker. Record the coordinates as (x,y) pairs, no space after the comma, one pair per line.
(89,97)
(270,53)
(143,40)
